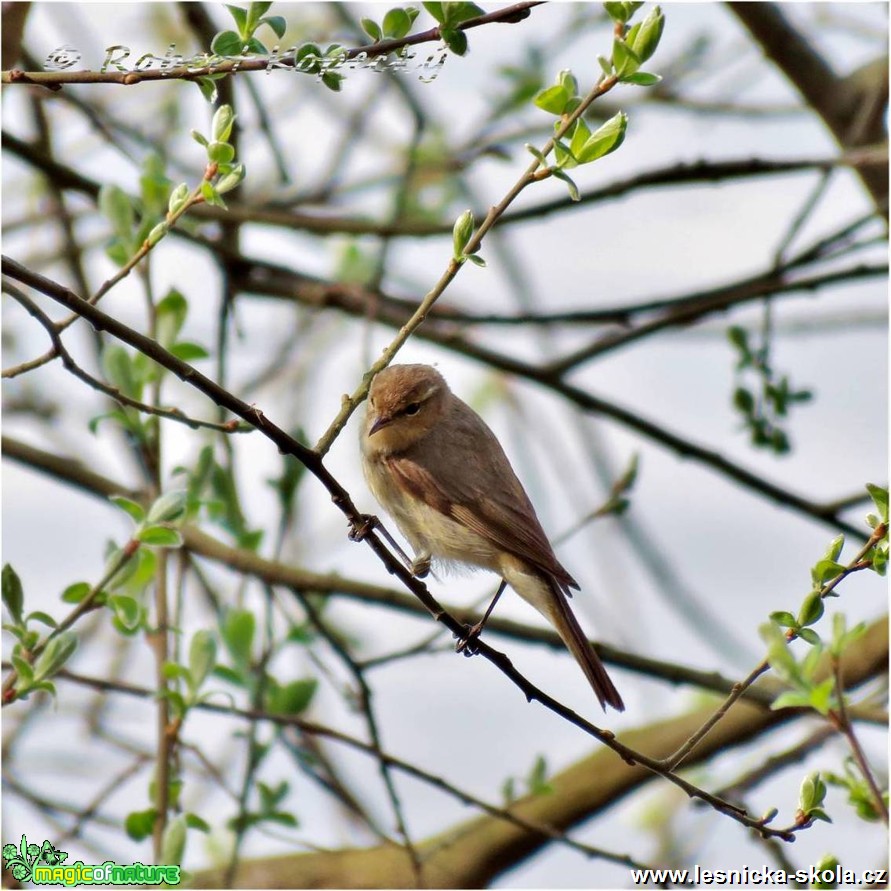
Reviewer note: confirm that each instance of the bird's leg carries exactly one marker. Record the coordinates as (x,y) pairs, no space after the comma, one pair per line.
(465,644)
(367,522)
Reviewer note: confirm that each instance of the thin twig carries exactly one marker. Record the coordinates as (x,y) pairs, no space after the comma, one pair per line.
(842,723)
(59,350)
(856,565)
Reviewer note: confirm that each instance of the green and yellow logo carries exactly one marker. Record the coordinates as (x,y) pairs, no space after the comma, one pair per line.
(45,865)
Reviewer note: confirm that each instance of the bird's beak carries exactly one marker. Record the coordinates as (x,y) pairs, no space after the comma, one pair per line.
(379,421)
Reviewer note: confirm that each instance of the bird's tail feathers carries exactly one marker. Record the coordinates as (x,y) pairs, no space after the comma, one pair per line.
(578,644)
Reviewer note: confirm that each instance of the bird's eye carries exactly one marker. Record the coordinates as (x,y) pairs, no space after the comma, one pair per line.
(412,408)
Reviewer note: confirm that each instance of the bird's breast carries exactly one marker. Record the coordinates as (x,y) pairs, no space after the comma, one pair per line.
(427,529)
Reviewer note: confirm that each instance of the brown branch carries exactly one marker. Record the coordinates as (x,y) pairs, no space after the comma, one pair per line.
(852,108)
(56,79)
(288,218)
(841,720)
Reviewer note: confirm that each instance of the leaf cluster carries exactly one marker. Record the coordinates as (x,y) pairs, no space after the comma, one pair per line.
(763,398)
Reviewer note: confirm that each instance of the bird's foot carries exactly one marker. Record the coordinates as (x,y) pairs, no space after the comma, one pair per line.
(467,643)
(362,525)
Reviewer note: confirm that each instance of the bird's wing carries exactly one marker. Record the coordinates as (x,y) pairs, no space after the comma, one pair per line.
(495,508)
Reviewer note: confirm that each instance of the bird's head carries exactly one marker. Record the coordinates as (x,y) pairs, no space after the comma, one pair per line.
(404,403)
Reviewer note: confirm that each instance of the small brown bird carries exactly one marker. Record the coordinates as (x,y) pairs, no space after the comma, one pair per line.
(435,466)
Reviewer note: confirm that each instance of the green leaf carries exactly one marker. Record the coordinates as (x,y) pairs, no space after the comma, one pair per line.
(791,699)
(129,507)
(397,23)
(841,637)
(168,507)
(187,351)
(170,316)
(193,821)
(333,80)
(13,593)
(641,79)
(119,370)
(454,39)
(743,400)
(812,793)
(625,60)
(239,15)
(786,619)
(23,669)
(605,139)
(568,81)
(573,188)
(435,9)
(553,99)
(157,233)
(477,260)
(778,654)
(536,154)
(230,180)
(154,186)
(221,125)
(820,696)
(202,657)
(618,12)
(833,552)
(292,698)
(76,592)
(809,636)
(646,38)
(286,485)
(371,28)
(581,133)
(173,844)
(461,233)
(56,653)
(221,152)
(258,9)
(456,13)
(537,781)
(229,675)
(278,23)
(879,496)
(140,824)
(159,537)
(238,630)
(117,208)
(173,671)
(118,251)
(42,617)
(127,611)
(824,571)
(210,195)
(227,43)
(811,610)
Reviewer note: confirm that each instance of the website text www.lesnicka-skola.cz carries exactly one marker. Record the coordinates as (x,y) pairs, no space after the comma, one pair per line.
(763,876)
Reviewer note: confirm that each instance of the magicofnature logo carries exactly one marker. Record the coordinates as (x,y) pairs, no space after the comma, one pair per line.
(45,865)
